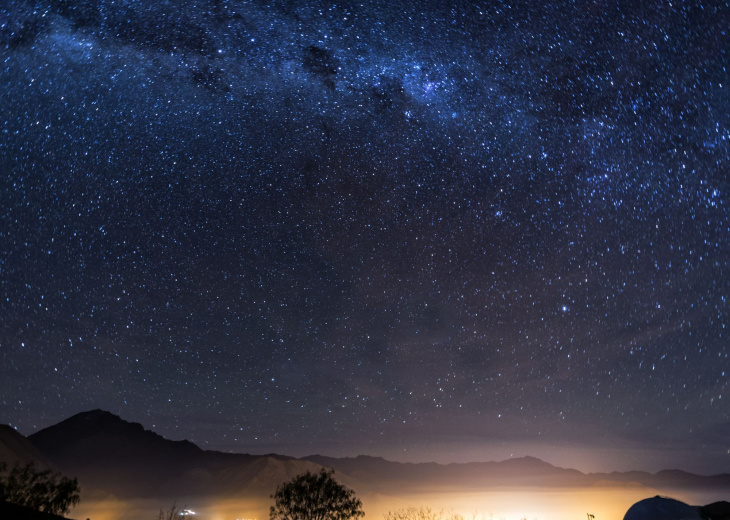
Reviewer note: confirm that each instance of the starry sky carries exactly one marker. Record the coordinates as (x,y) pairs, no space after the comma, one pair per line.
(426,230)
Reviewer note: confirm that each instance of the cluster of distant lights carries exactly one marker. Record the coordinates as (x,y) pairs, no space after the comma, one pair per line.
(190,512)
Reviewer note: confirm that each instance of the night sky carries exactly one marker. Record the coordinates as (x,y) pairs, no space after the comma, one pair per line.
(430,231)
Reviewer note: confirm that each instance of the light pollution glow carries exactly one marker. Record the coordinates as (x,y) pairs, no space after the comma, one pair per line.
(605,503)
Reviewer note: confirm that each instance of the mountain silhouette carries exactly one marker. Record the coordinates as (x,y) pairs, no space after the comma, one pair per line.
(110,454)
(384,474)
(86,437)
(16,449)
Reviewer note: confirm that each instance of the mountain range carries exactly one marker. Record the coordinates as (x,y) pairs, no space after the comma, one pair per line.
(109,454)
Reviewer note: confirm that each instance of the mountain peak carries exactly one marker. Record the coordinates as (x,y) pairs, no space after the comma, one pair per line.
(100,418)
(97,413)
(106,436)
(527,461)
(83,426)
(88,442)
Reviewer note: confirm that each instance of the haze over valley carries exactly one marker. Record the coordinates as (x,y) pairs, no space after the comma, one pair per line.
(126,472)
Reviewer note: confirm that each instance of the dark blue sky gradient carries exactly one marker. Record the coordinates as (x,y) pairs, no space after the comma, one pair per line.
(430,231)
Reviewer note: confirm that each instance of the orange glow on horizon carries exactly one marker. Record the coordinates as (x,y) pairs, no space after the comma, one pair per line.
(604,503)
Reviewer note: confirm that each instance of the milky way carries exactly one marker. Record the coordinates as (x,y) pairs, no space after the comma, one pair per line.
(428,231)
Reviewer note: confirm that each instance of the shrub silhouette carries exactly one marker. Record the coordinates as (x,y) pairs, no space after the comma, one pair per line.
(422,513)
(315,496)
(41,490)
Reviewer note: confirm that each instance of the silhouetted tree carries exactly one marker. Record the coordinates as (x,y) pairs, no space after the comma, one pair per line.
(422,513)
(174,513)
(315,496)
(41,490)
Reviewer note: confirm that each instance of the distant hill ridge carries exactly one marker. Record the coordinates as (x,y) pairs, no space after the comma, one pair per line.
(525,471)
(108,453)
(14,449)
